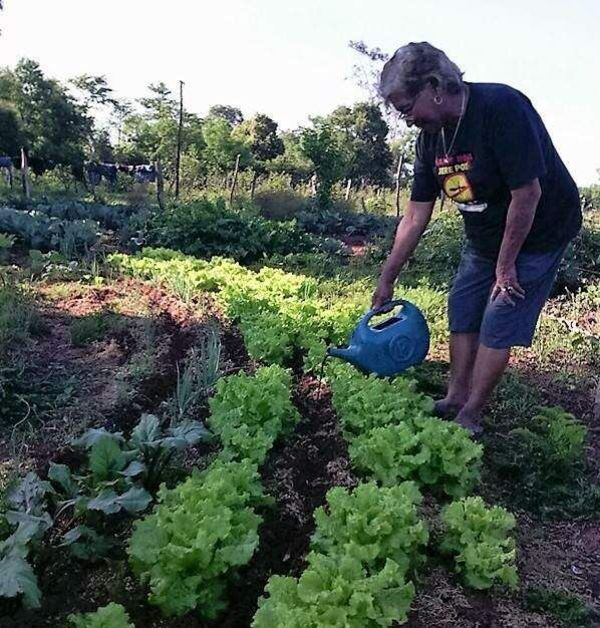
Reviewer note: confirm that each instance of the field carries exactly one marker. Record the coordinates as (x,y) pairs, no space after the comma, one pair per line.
(183,349)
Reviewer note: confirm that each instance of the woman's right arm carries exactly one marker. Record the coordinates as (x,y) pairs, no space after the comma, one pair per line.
(409,232)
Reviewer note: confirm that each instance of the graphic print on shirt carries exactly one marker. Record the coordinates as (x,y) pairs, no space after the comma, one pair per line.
(455,183)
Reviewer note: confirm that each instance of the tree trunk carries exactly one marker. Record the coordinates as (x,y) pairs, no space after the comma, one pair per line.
(235,176)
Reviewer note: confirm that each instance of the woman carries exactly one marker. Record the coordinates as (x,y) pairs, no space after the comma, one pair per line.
(486,148)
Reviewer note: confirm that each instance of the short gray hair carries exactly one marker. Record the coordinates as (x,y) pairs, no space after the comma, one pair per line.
(416,65)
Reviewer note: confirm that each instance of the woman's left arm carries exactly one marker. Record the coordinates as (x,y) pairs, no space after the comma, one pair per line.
(519,219)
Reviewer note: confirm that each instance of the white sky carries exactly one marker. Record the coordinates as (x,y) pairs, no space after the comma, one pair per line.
(290,59)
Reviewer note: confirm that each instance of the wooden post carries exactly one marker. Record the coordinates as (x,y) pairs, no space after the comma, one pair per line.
(348,188)
(179,132)
(253,186)
(235,176)
(160,184)
(398,174)
(25,174)
(596,407)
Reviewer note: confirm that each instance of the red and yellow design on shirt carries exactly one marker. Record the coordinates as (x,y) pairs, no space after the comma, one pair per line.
(452,172)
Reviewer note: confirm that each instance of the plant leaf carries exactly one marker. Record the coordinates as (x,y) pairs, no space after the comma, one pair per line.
(106,458)
(28,495)
(186,434)
(135,499)
(106,502)
(92,436)
(146,432)
(17,577)
(133,469)
(61,474)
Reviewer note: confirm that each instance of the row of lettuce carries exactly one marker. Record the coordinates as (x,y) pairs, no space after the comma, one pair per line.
(369,542)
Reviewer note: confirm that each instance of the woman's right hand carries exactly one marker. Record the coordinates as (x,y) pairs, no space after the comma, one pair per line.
(383,293)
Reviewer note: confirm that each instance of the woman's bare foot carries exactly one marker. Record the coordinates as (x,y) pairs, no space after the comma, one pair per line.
(470,420)
(447,407)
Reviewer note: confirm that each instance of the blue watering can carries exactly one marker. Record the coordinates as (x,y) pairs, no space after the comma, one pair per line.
(391,346)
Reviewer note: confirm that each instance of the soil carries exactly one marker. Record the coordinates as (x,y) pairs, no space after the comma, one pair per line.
(297,474)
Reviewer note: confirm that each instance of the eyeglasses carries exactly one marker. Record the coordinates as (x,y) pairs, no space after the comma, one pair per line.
(406,111)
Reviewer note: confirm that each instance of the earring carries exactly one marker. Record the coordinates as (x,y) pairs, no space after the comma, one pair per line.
(438,100)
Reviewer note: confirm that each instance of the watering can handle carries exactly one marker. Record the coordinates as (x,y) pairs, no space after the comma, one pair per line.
(382,309)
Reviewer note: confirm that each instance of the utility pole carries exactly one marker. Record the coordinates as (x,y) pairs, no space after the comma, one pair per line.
(179,131)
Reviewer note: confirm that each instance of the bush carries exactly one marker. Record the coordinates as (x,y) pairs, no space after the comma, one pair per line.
(203,228)
(281,204)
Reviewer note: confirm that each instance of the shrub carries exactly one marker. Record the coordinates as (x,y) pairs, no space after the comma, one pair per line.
(203,228)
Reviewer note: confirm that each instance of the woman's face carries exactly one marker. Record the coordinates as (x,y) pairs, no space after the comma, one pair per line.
(419,111)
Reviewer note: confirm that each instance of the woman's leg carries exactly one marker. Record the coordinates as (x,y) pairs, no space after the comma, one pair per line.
(488,369)
(463,350)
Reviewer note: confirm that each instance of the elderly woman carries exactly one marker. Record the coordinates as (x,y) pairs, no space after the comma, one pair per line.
(484,146)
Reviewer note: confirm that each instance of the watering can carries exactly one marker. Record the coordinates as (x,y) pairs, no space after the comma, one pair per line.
(391,346)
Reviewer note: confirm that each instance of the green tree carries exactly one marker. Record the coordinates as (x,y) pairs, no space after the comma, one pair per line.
(233,115)
(55,127)
(362,134)
(11,131)
(320,145)
(293,160)
(260,135)
(222,147)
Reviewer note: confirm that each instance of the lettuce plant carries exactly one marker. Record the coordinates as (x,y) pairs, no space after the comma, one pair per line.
(429,451)
(250,412)
(110,616)
(198,535)
(336,591)
(478,538)
(372,524)
(364,403)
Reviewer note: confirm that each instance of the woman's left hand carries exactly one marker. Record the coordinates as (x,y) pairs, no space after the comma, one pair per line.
(507,286)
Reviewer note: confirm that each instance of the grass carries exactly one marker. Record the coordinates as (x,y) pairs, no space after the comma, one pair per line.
(565,607)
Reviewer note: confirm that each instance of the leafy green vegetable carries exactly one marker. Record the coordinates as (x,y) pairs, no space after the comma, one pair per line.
(250,412)
(372,524)
(336,592)
(110,616)
(429,451)
(198,534)
(477,537)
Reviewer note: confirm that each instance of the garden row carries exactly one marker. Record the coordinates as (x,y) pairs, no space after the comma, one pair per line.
(363,549)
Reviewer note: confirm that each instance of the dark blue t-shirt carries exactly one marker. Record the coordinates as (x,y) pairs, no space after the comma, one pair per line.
(501,145)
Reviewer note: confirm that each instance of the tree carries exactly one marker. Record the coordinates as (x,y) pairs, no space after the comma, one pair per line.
(55,128)
(233,115)
(11,132)
(320,145)
(292,161)
(222,147)
(362,134)
(260,135)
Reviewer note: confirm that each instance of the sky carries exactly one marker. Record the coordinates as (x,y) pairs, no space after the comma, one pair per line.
(290,59)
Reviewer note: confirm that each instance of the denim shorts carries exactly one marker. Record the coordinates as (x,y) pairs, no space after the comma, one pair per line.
(501,325)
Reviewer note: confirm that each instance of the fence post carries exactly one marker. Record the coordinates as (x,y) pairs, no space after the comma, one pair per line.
(25,174)
(160,184)
(235,176)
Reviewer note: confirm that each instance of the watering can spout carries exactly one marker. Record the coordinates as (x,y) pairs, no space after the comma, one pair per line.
(350,354)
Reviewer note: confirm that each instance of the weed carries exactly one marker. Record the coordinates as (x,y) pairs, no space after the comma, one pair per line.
(94,327)
(565,607)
